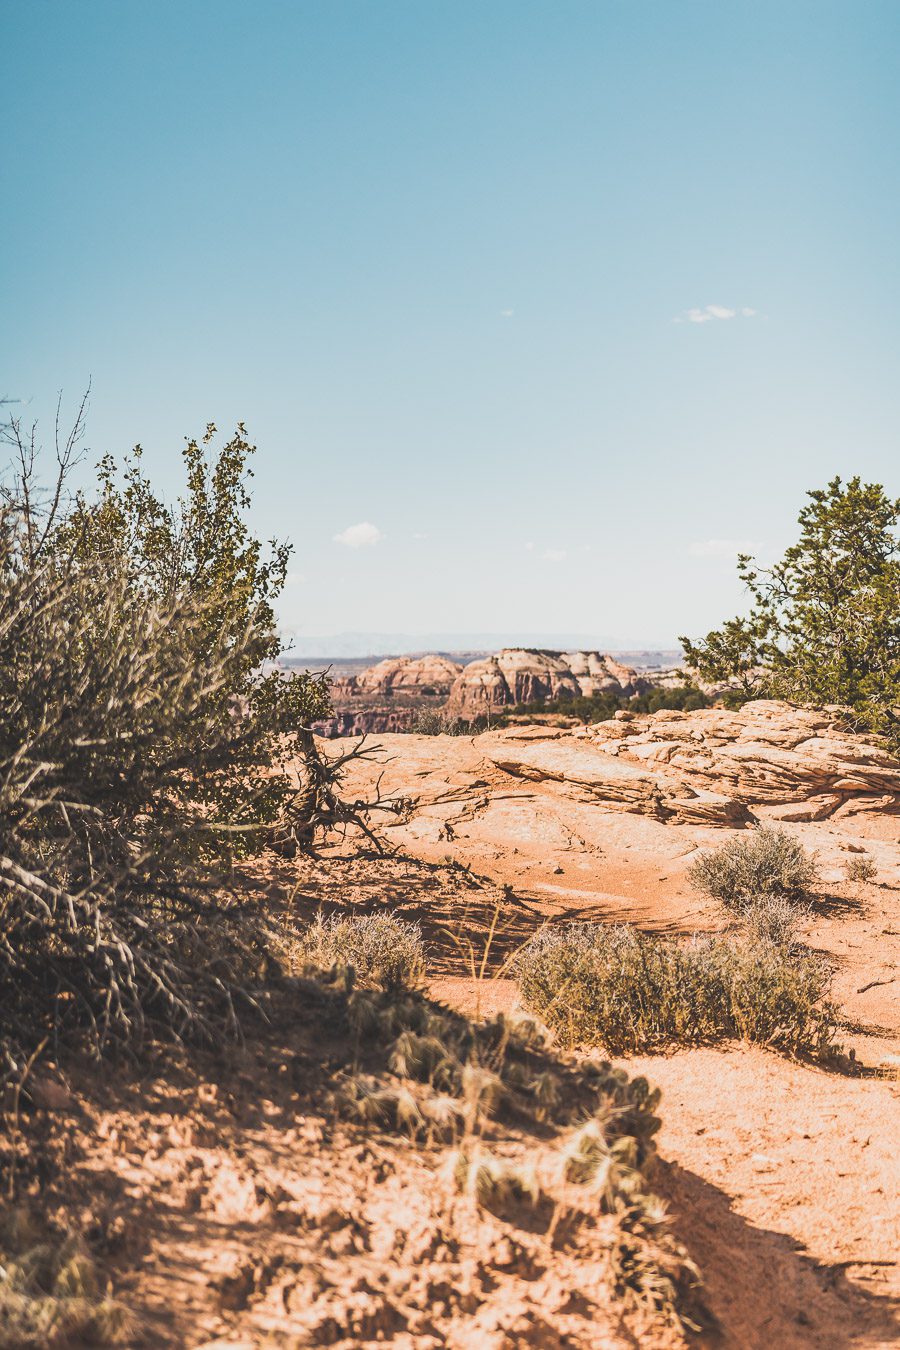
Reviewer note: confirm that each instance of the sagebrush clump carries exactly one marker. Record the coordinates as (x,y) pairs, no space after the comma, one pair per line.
(628,991)
(861,869)
(380,949)
(759,865)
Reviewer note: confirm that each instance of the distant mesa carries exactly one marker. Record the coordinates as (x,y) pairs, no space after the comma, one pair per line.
(389,695)
(406,673)
(518,675)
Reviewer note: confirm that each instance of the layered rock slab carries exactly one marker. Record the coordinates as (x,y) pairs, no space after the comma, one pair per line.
(534,801)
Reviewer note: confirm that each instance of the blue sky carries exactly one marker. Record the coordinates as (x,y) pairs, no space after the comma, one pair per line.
(446,261)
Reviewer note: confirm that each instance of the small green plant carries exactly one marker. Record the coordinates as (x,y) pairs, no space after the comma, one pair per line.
(382,950)
(861,869)
(749,868)
(629,991)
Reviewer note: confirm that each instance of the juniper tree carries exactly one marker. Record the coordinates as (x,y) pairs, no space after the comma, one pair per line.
(824,625)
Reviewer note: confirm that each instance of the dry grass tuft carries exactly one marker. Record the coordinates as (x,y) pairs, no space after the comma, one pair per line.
(861,869)
(51,1294)
(381,950)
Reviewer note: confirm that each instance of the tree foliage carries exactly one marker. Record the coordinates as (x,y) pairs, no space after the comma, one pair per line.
(140,737)
(824,626)
(201,552)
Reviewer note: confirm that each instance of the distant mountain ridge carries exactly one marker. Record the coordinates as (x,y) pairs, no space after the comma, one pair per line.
(355,646)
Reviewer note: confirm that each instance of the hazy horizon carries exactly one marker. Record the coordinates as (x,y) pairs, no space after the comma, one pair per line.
(356,645)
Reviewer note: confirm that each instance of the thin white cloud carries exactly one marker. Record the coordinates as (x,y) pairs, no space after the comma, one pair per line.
(708,313)
(295,579)
(555,555)
(362,535)
(722,548)
(419,534)
(507,313)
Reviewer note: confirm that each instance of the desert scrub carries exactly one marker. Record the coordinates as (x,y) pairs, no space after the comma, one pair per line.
(380,949)
(764,863)
(142,747)
(434,722)
(627,991)
(51,1294)
(773,918)
(861,869)
(557,1147)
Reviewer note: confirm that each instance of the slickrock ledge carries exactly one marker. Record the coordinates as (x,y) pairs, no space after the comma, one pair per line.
(712,765)
(534,799)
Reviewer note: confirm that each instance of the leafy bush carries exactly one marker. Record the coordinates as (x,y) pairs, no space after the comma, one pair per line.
(382,950)
(628,991)
(200,554)
(752,867)
(139,740)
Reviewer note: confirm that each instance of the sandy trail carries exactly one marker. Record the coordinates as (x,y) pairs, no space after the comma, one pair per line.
(783,1178)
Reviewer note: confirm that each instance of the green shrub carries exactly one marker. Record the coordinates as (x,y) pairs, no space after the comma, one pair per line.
(629,991)
(140,742)
(381,950)
(604,705)
(822,627)
(200,554)
(748,868)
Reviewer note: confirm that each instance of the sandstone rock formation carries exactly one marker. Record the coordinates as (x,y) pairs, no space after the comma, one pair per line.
(388,696)
(570,813)
(712,765)
(407,674)
(372,721)
(518,675)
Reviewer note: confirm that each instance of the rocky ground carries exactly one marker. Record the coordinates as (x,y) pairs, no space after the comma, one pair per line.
(236,1209)
(797,1164)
